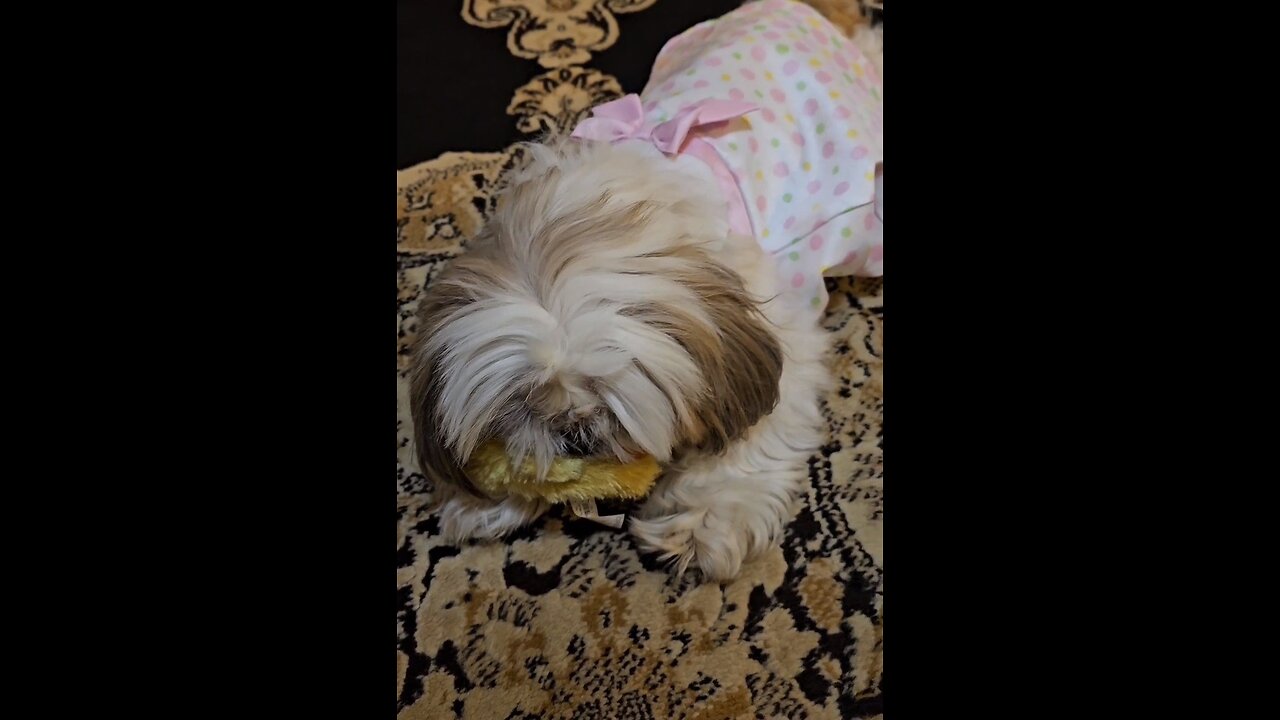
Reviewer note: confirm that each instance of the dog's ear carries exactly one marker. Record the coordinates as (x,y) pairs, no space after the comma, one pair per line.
(740,359)
(435,460)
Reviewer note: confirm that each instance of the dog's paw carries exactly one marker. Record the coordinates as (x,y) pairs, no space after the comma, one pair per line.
(695,539)
(464,517)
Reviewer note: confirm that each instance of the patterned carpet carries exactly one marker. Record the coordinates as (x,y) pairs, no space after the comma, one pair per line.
(567,620)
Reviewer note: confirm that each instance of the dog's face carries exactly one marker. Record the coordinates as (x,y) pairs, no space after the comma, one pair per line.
(588,319)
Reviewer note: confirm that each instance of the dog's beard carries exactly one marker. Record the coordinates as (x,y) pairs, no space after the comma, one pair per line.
(591,318)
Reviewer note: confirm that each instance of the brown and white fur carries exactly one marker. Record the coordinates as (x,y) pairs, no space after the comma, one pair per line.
(606,309)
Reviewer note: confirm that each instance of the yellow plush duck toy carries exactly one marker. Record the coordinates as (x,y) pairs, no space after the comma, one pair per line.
(577,481)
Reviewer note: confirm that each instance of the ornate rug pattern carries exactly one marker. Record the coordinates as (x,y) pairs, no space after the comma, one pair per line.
(566,619)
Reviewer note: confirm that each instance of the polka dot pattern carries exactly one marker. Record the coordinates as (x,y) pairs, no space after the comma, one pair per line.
(806,161)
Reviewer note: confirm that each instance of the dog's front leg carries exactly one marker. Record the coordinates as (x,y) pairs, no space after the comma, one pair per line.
(714,512)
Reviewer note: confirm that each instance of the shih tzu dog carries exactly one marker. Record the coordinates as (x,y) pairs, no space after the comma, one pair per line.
(652,284)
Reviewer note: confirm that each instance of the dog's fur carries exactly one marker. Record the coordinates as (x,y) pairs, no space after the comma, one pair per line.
(606,309)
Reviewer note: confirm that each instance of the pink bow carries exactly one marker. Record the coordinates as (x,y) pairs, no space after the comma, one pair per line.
(623,119)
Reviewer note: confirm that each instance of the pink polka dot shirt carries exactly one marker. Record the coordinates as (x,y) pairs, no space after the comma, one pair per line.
(807,160)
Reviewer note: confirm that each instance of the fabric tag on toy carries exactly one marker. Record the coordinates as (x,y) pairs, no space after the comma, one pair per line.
(586,509)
